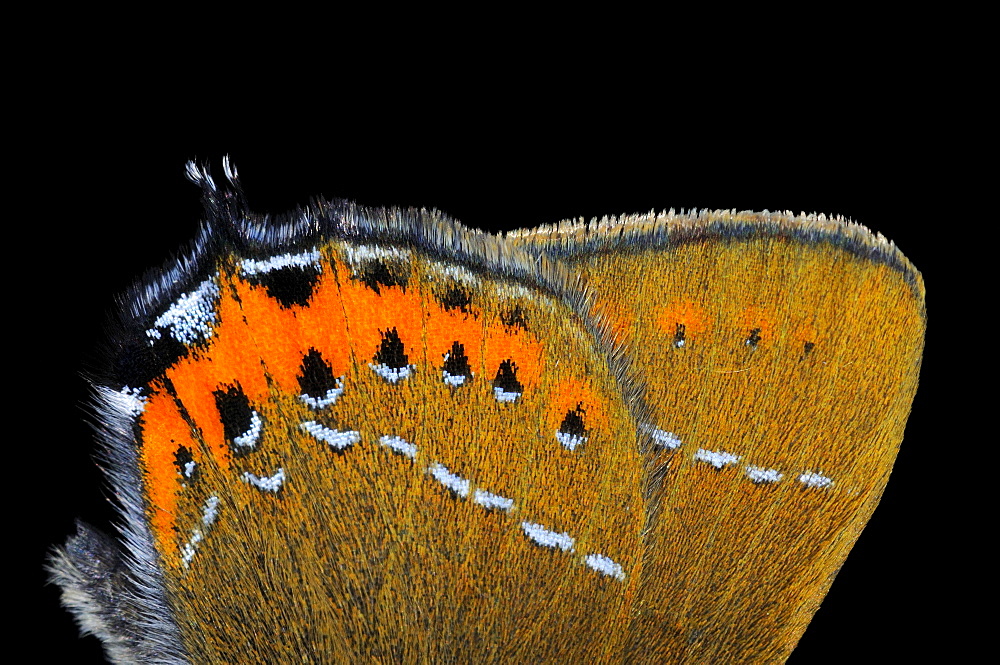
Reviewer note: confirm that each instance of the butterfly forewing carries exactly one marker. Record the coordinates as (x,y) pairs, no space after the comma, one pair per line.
(391,509)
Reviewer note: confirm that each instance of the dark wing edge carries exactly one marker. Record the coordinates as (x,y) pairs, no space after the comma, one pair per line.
(572,238)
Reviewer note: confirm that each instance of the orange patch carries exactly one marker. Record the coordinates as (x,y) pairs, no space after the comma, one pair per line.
(231,358)
(445,327)
(754,318)
(695,319)
(285,335)
(569,395)
(163,431)
(804,333)
(510,343)
(371,315)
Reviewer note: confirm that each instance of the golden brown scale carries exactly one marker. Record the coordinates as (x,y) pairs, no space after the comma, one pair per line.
(362,555)
(735,569)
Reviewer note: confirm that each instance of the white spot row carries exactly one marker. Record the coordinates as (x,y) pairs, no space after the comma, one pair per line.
(453,380)
(810,479)
(266,483)
(461,487)
(307,259)
(208,515)
(491,501)
(503,396)
(539,535)
(662,438)
(189,318)
(606,565)
(718,459)
(542,536)
(721,458)
(343,439)
(331,396)
(339,439)
(392,374)
(761,475)
(249,438)
(399,445)
(190,547)
(570,441)
(758,474)
(453,482)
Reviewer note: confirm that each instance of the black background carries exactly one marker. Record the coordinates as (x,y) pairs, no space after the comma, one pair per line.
(106,199)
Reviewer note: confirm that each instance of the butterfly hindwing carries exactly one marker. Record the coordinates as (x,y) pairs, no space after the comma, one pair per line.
(779,357)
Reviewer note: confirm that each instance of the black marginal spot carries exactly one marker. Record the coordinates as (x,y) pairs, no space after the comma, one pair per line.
(506,378)
(456,363)
(391,352)
(184,461)
(679,335)
(514,318)
(377,274)
(315,376)
(236,414)
(164,351)
(291,285)
(754,339)
(572,424)
(807,349)
(456,298)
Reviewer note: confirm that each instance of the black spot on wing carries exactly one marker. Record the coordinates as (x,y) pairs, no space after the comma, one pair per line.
(391,352)
(316,376)
(184,461)
(680,335)
(291,285)
(377,274)
(457,363)
(573,423)
(456,298)
(514,318)
(506,378)
(163,352)
(753,339)
(235,413)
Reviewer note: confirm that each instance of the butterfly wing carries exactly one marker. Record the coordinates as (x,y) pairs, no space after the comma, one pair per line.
(374,434)
(779,357)
(361,435)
